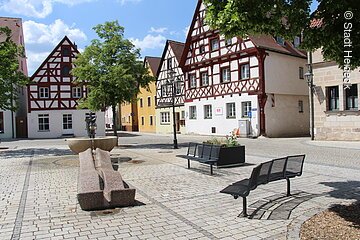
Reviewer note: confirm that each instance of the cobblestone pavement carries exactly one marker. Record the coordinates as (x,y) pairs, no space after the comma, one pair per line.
(39,184)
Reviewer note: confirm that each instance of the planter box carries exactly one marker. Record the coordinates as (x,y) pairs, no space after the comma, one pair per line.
(231,156)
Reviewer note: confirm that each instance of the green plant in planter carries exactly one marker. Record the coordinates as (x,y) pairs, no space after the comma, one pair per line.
(229,141)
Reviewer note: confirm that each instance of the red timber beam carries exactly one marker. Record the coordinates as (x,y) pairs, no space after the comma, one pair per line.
(262,97)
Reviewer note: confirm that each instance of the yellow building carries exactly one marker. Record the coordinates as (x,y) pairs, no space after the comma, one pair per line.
(147,99)
(129,116)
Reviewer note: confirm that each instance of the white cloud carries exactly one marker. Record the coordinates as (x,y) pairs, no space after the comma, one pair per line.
(158,30)
(34,59)
(122,2)
(149,42)
(39,33)
(35,8)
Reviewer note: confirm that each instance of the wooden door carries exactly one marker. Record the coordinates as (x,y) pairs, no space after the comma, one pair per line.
(21,127)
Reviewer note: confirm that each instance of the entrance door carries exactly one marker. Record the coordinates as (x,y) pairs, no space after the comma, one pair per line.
(177,117)
(67,124)
(21,127)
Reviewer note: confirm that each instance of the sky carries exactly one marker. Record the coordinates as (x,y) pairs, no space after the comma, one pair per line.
(148,23)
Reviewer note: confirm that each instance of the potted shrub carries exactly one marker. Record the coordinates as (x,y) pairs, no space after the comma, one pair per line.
(231,152)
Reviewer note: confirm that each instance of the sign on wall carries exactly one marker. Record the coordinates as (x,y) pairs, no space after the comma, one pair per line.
(219,111)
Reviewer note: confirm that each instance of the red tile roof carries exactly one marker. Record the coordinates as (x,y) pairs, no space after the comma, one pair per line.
(154,63)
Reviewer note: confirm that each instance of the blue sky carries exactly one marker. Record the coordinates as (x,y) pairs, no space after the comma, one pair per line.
(148,23)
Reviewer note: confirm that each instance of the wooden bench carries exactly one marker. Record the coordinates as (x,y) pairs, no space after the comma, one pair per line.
(99,186)
(202,153)
(274,170)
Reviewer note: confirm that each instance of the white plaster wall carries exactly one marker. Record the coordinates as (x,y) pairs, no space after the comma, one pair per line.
(283,119)
(223,125)
(282,75)
(168,128)
(56,118)
(7,126)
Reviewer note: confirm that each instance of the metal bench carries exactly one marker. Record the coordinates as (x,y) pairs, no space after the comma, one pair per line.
(274,170)
(202,153)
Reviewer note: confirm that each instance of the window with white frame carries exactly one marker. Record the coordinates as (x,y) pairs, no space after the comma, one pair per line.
(245,71)
(214,44)
(230,110)
(246,109)
(192,112)
(165,118)
(333,98)
(67,121)
(44,92)
(44,123)
(225,75)
(204,79)
(76,92)
(192,81)
(207,111)
(352,97)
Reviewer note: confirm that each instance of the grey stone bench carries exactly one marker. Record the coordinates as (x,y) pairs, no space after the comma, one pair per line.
(203,153)
(274,170)
(99,186)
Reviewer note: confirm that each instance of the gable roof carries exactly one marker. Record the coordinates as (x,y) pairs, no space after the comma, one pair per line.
(52,53)
(154,64)
(178,49)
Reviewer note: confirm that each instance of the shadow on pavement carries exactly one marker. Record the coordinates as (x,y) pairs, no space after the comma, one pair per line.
(154,146)
(23,153)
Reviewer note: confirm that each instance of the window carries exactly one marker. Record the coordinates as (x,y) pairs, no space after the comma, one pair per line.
(43,122)
(280,41)
(151,121)
(67,121)
(141,102)
(192,81)
(169,63)
(166,90)
(207,111)
(65,51)
(44,92)
(228,42)
(214,44)
(142,121)
(165,117)
(352,97)
(65,70)
(192,112)
(149,101)
(301,106)
(204,79)
(225,75)
(230,110)
(178,85)
(2,122)
(202,48)
(297,41)
(76,92)
(301,72)
(245,71)
(333,98)
(246,109)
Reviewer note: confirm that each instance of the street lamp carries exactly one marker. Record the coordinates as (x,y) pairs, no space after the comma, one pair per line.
(170,83)
(309,76)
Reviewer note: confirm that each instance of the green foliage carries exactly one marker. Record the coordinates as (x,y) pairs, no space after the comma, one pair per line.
(229,141)
(289,18)
(11,78)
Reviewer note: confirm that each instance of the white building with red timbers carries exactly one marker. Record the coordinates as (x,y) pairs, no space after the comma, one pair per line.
(254,86)
(169,89)
(53,97)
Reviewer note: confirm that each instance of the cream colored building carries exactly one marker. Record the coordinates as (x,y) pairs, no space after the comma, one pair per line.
(337,115)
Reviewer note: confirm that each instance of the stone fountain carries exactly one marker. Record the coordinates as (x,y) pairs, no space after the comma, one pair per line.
(78,145)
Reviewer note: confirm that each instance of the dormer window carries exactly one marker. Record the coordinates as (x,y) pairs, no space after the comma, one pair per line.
(280,41)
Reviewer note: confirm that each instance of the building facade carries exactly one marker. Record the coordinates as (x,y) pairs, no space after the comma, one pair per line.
(53,97)
(129,116)
(250,86)
(170,90)
(336,108)
(147,98)
(14,124)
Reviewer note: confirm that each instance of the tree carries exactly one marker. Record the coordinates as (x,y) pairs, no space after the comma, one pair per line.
(11,78)
(110,68)
(290,18)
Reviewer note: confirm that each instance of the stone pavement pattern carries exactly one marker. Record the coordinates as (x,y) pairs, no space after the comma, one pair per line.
(39,184)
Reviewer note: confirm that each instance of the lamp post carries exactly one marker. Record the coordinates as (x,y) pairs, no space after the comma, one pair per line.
(171,82)
(310,80)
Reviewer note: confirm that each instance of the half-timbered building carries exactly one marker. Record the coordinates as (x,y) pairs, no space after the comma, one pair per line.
(53,97)
(254,86)
(13,124)
(170,90)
